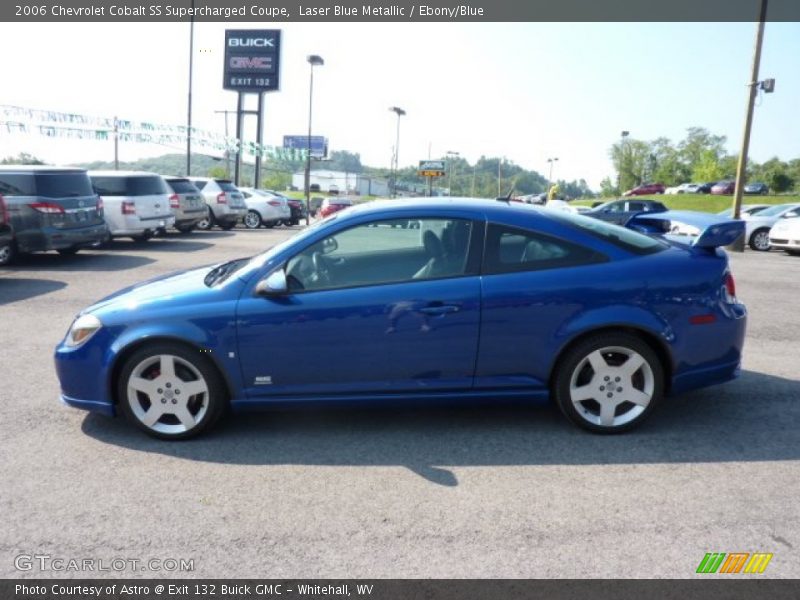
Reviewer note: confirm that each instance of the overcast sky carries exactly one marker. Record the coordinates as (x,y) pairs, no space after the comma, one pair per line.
(525,91)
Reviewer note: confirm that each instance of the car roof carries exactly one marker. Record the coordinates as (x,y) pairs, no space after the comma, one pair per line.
(123,174)
(483,205)
(41,168)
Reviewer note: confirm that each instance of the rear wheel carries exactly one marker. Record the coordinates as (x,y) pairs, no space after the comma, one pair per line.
(252,220)
(609,383)
(227,226)
(760,240)
(185,228)
(7,253)
(68,251)
(208,222)
(170,391)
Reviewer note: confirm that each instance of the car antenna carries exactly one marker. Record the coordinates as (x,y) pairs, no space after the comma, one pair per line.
(506,199)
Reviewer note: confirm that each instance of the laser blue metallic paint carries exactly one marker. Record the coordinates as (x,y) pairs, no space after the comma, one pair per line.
(393,341)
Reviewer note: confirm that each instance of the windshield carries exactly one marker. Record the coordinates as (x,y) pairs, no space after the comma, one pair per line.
(774,210)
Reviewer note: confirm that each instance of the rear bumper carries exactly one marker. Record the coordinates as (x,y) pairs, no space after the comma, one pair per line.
(133,225)
(52,238)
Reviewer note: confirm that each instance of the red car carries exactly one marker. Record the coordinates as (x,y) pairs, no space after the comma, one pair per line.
(723,188)
(332,205)
(646,189)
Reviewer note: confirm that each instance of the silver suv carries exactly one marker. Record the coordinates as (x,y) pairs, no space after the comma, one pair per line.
(186,203)
(225,203)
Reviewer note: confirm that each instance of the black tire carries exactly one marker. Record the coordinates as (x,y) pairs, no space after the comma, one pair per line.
(184,229)
(208,222)
(270,224)
(793,252)
(759,240)
(227,226)
(135,405)
(71,251)
(253,220)
(614,349)
(8,253)
(142,237)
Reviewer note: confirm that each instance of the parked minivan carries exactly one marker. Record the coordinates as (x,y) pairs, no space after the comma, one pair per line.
(48,208)
(136,203)
(225,202)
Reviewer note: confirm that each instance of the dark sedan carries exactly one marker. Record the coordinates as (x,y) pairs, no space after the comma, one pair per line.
(620,211)
(723,188)
(756,188)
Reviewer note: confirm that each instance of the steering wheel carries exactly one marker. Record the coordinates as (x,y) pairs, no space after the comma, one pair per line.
(321,268)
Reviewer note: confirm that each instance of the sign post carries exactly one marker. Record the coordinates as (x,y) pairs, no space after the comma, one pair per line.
(252,66)
(431,169)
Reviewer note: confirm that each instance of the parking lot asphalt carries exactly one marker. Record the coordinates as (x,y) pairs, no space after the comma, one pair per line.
(503,491)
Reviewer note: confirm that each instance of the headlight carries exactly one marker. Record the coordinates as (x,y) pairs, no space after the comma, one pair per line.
(82,329)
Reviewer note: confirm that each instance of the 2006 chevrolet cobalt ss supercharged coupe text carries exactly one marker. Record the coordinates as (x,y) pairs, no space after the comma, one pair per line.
(419,299)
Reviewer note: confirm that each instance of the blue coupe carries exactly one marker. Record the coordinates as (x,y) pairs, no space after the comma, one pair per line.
(425,299)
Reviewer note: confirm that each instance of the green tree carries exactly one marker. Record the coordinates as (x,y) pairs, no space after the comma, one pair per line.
(632,161)
(23,158)
(608,189)
(708,168)
(697,145)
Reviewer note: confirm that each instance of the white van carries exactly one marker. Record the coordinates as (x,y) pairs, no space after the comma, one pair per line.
(136,203)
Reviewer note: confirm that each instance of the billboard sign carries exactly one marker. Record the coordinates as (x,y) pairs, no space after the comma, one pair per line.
(252,60)
(432,168)
(319,144)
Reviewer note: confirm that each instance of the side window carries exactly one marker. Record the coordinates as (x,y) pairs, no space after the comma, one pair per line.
(510,250)
(16,184)
(616,207)
(388,251)
(637,206)
(200,184)
(792,214)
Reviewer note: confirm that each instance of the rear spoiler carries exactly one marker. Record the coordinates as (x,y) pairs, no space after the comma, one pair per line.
(714,230)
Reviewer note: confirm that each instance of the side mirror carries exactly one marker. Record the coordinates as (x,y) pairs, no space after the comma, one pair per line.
(329,245)
(273,284)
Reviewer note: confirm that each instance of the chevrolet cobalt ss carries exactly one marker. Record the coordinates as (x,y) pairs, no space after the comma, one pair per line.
(433,300)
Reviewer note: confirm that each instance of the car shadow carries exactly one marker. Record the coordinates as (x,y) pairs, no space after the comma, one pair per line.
(159,244)
(14,289)
(756,418)
(200,234)
(83,261)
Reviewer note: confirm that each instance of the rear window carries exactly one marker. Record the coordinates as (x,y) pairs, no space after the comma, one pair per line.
(226,186)
(129,186)
(182,186)
(624,238)
(200,184)
(48,185)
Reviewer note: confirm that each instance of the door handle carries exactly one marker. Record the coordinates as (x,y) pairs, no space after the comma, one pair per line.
(440,309)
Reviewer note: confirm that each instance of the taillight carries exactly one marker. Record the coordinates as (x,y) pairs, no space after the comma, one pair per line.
(4,219)
(98,206)
(221,199)
(729,288)
(48,208)
(128,208)
(274,203)
(174,201)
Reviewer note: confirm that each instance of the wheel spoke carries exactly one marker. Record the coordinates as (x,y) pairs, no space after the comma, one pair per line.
(633,364)
(142,385)
(607,410)
(167,366)
(153,414)
(584,392)
(192,388)
(598,362)
(636,397)
(184,416)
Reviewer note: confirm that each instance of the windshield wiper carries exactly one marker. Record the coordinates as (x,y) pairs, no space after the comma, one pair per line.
(223,271)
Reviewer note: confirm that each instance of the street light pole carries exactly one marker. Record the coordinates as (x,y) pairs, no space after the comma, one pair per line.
(399,112)
(313,60)
(550,177)
(623,135)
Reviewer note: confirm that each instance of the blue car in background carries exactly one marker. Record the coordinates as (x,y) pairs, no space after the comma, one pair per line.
(429,299)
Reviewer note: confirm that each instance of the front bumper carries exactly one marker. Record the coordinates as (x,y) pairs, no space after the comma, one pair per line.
(783,243)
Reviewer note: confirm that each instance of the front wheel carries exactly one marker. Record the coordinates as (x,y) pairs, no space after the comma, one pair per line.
(252,220)
(609,383)
(227,226)
(760,240)
(170,391)
(208,222)
(72,250)
(7,253)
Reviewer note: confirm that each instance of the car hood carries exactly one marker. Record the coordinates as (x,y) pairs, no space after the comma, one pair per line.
(167,291)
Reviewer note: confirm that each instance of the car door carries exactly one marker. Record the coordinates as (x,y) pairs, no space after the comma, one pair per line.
(613,212)
(377,307)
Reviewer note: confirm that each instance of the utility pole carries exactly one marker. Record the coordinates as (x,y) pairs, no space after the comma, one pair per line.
(116,144)
(499,164)
(227,151)
(189,107)
(738,245)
